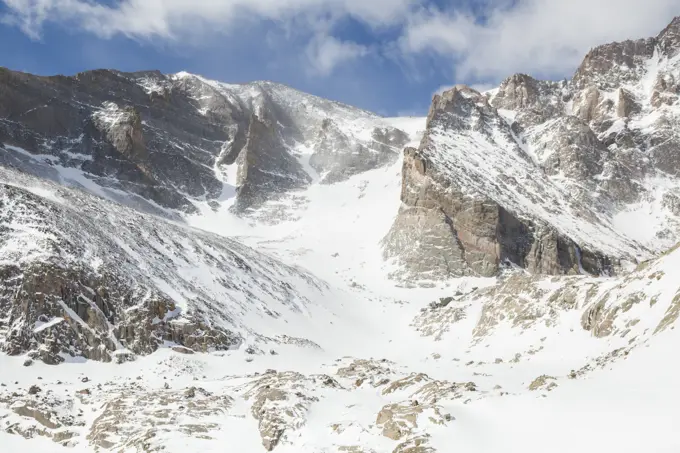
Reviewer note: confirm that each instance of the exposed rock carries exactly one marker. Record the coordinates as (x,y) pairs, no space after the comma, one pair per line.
(377,373)
(587,104)
(356,157)
(536,100)
(119,146)
(401,384)
(44,418)
(280,402)
(572,149)
(456,220)
(671,316)
(417,444)
(437,322)
(443,302)
(265,168)
(669,39)
(354,449)
(671,201)
(627,105)
(182,350)
(400,420)
(543,383)
(90,316)
(578,151)
(423,239)
(133,419)
(170,138)
(600,317)
(89,278)
(608,65)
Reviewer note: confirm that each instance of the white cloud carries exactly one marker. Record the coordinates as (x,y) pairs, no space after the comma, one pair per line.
(532,36)
(326,52)
(168,18)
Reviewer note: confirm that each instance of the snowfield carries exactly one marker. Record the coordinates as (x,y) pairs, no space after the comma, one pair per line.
(211,330)
(507,364)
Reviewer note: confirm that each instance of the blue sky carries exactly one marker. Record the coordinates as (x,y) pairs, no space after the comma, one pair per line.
(388,56)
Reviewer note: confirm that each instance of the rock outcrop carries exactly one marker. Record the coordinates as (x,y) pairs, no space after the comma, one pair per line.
(265,168)
(518,175)
(358,157)
(133,419)
(172,139)
(83,277)
(464,213)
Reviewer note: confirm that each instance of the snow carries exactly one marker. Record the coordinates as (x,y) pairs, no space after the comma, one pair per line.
(46,325)
(151,86)
(648,221)
(611,408)
(40,157)
(110,115)
(628,406)
(339,297)
(515,182)
(626,409)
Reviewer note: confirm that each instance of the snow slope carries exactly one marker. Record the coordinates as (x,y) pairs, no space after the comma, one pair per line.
(620,395)
(364,349)
(282,331)
(347,219)
(205,279)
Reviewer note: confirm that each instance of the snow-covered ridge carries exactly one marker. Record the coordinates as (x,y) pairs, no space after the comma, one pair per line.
(184,276)
(280,329)
(570,162)
(328,140)
(494,166)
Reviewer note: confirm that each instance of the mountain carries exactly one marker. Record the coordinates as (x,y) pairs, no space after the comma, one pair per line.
(160,141)
(188,265)
(84,277)
(554,177)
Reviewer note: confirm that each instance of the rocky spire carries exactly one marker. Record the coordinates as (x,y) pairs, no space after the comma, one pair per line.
(669,39)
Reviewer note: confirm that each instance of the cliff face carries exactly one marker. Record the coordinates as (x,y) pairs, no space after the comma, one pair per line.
(468,207)
(536,173)
(171,139)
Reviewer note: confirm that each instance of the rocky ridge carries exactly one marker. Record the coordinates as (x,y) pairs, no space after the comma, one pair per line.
(542,174)
(84,277)
(173,141)
(205,333)
(99,413)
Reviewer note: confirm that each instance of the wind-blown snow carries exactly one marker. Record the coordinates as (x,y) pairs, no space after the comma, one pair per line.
(495,166)
(314,280)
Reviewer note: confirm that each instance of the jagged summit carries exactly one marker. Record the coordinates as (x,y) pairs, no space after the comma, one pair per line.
(545,175)
(669,39)
(189,265)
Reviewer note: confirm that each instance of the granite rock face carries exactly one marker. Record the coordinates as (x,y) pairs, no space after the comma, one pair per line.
(457,219)
(264,165)
(152,140)
(379,151)
(535,173)
(155,145)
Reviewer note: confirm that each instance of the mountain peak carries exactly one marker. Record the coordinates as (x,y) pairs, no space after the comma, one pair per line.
(669,39)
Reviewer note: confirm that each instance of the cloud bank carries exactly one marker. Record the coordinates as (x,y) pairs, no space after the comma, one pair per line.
(479,41)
